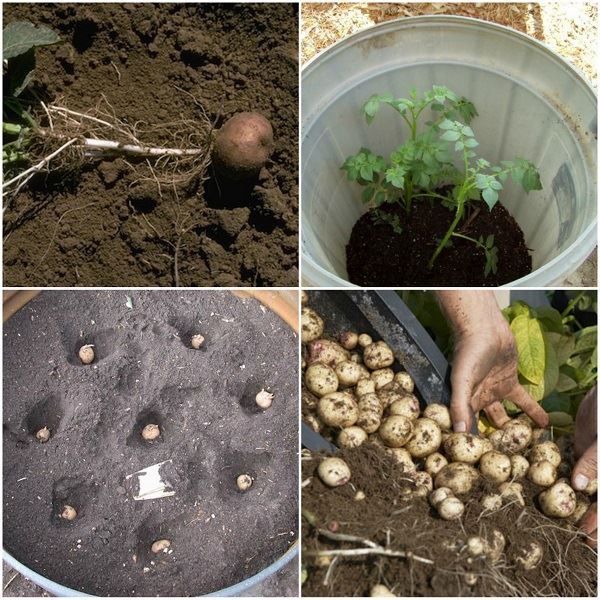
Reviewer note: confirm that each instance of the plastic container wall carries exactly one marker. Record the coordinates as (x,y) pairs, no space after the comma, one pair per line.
(531,103)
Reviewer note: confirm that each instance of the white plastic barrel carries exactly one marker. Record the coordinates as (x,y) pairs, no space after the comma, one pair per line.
(531,103)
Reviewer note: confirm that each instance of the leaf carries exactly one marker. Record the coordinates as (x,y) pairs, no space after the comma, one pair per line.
(450,135)
(587,339)
(550,375)
(490,196)
(367,194)
(564,345)
(561,420)
(557,402)
(565,383)
(550,318)
(530,348)
(21,36)
(471,143)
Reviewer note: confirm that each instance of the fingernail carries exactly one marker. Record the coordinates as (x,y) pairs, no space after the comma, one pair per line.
(460,427)
(580,481)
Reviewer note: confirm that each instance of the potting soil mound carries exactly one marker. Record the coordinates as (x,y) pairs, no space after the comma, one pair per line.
(568,567)
(203,401)
(102,223)
(378,256)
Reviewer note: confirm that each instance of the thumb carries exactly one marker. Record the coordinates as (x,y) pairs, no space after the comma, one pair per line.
(586,468)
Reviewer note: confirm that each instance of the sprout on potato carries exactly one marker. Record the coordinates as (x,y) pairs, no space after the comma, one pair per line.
(558,501)
(495,466)
(395,431)
(334,472)
(378,356)
(338,409)
(321,379)
(352,437)
(86,354)
(311,325)
(42,435)
(440,414)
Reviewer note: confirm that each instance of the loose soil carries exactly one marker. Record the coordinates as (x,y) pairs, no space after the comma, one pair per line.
(96,224)
(378,256)
(568,567)
(203,400)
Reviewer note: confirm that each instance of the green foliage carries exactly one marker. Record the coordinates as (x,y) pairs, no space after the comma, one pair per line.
(383,218)
(489,248)
(425,161)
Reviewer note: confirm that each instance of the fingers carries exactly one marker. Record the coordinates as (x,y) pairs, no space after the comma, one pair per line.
(528,405)
(460,409)
(497,415)
(589,525)
(585,469)
(586,427)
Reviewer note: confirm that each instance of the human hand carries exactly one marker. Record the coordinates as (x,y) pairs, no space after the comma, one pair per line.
(586,468)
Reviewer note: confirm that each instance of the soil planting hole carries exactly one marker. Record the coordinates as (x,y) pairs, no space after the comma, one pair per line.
(74,493)
(219,193)
(143,427)
(46,413)
(84,34)
(104,344)
(186,330)
(151,531)
(247,397)
(236,463)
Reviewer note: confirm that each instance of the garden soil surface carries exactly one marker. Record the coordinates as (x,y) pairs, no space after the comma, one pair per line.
(377,256)
(568,567)
(96,224)
(203,401)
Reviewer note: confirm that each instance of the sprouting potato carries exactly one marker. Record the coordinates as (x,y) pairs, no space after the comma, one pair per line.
(406,406)
(160,546)
(68,513)
(382,377)
(405,381)
(311,325)
(264,399)
(364,340)
(196,341)
(463,447)
(349,373)
(150,432)
(244,482)
(512,492)
(334,472)
(426,438)
(459,477)
(434,463)
(381,590)
(338,409)
(450,508)
(558,501)
(403,457)
(378,356)
(327,352)
(86,354)
(440,414)
(545,451)
(352,437)
(492,502)
(395,431)
(519,466)
(542,473)
(364,386)
(439,494)
(349,340)
(369,412)
(43,435)
(321,379)
(495,466)
(529,556)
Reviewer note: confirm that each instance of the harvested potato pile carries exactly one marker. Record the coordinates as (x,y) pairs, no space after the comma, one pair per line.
(420,510)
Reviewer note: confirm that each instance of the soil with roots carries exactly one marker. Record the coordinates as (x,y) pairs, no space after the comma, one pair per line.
(102,223)
(145,371)
(568,567)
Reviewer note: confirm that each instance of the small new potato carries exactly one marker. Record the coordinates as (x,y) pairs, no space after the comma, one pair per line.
(423,482)
(321,379)
(242,146)
(558,501)
(440,414)
(405,381)
(68,513)
(196,341)
(327,352)
(512,492)
(395,431)
(529,556)
(406,406)
(426,438)
(403,457)
(519,466)
(496,543)
(491,502)
(334,472)
(439,494)
(548,451)
(495,466)
(311,325)
(463,447)
(43,435)
(352,437)
(244,482)
(160,546)
(450,508)
(542,473)
(364,340)
(150,432)
(364,386)
(434,463)
(476,546)
(581,508)
(516,436)
(86,354)
(381,377)
(459,477)
(349,373)
(349,340)
(380,590)
(378,356)
(369,412)
(264,399)
(338,409)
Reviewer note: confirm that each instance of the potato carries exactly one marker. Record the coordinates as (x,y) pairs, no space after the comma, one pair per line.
(463,447)
(516,436)
(486,445)
(321,379)
(311,325)
(476,546)
(450,508)
(581,508)
(426,438)
(457,476)
(495,545)
(338,409)
(369,412)
(542,473)
(68,513)
(314,423)
(495,466)
(545,451)
(364,340)
(327,352)
(405,381)
(558,501)
(349,340)
(196,341)
(378,356)
(591,488)
(242,146)
(440,414)
(150,432)
(407,406)
(529,556)
(355,357)
(381,590)
(160,546)
(512,492)
(352,437)
(395,431)
(43,435)
(439,494)
(359,496)
(334,472)
(403,457)
(434,463)
(86,354)
(349,373)
(519,466)
(244,482)
(423,482)
(264,399)
(491,502)
(382,377)
(364,386)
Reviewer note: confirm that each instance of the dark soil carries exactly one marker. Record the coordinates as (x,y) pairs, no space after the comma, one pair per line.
(568,567)
(231,58)
(377,256)
(203,400)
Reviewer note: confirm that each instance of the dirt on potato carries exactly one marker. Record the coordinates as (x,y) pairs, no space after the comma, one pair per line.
(568,567)
(104,223)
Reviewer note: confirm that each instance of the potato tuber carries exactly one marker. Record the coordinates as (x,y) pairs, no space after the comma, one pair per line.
(86,354)
(334,472)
